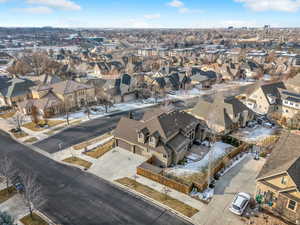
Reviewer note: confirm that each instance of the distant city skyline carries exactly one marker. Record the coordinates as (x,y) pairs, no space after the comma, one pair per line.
(150,14)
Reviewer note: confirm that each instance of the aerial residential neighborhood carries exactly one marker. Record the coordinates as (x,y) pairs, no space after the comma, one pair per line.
(149,113)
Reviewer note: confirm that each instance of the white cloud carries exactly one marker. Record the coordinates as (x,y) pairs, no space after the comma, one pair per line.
(36,10)
(189,11)
(152,16)
(272,5)
(176,3)
(61,4)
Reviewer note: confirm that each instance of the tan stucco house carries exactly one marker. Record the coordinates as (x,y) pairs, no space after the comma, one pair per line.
(278,183)
(55,98)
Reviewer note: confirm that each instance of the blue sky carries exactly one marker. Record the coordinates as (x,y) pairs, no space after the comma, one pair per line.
(150,13)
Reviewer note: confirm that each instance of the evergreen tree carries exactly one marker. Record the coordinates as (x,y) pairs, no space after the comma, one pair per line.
(6,219)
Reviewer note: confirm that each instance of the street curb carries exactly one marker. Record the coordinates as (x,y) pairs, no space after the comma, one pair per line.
(153,201)
(46,218)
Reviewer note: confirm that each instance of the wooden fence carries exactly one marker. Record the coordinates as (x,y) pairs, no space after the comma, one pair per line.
(164,180)
(185,188)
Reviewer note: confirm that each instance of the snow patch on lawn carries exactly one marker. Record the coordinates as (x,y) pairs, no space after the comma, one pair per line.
(217,151)
(257,134)
(186,94)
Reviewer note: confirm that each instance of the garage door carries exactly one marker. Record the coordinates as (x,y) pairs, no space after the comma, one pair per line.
(124,145)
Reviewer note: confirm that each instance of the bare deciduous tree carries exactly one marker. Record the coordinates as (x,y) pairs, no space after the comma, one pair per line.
(7,170)
(35,115)
(67,109)
(37,63)
(32,194)
(18,119)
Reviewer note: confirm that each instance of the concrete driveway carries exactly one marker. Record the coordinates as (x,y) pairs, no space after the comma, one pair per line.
(240,178)
(117,163)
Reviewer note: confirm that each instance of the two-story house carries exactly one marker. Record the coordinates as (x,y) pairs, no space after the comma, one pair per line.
(278,183)
(290,103)
(56,98)
(167,135)
(223,114)
(264,98)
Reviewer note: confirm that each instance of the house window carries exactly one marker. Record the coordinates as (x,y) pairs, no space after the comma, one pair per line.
(286,102)
(165,156)
(283,180)
(286,111)
(292,205)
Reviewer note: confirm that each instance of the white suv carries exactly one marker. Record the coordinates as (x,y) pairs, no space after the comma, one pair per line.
(240,203)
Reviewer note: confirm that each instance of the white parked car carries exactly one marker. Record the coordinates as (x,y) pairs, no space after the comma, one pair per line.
(240,203)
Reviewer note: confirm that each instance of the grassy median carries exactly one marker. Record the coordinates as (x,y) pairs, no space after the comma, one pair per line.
(158,196)
(34,220)
(78,161)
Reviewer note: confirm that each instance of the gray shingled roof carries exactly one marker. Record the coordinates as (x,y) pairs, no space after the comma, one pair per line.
(15,86)
(219,111)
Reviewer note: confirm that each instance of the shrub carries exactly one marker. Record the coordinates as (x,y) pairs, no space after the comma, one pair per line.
(6,219)
(263,154)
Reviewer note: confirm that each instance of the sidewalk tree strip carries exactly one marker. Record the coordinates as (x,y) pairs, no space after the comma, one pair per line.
(30,140)
(34,220)
(51,123)
(6,194)
(20,134)
(101,150)
(90,142)
(78,161)
(158,196)
(7,115)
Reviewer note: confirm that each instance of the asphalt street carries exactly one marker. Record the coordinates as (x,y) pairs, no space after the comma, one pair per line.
(75,197)
(93,128)
(83,132)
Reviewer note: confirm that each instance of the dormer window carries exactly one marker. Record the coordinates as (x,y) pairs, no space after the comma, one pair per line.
(152,141)
(141,138)
(284,180)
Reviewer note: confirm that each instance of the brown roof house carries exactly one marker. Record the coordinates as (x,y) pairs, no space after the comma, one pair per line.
(167,135)
(278,183)
(223,114)
(53,99)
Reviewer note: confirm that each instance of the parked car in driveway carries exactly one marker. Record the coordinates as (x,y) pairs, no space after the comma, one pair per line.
(240,203)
